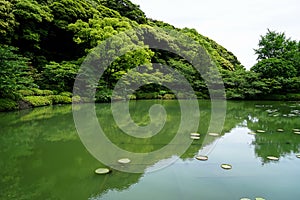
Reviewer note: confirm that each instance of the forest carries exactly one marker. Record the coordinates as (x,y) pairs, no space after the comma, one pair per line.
(44,43)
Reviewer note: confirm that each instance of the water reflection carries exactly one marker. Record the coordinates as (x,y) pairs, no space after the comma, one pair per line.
(43,158)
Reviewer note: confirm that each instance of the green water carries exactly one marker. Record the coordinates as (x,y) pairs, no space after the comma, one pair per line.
(42,156)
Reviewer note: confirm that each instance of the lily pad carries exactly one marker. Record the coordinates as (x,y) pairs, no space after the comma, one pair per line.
(124,161)
(273,158)
(280,130)
(202,158)
(195,134)
(260,131)
(102,171)
(226,166)
(214,134)
(195,137)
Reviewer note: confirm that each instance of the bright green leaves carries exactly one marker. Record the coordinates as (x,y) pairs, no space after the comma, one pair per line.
(222,58)
(96,30)
(31,10)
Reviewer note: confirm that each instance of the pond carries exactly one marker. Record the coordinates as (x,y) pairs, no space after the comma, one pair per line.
(42,156)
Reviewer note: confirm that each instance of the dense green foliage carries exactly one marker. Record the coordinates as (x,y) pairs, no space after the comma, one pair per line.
(14,72)
(43,44)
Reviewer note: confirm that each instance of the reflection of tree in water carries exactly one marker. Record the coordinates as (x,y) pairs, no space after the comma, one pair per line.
(269,116)
(42,158)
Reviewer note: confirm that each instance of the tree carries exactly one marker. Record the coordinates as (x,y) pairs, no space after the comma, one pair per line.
(126,9)
(7,20)
(14,72)
(274,68)
(278,56)
(60,76)
(276,45)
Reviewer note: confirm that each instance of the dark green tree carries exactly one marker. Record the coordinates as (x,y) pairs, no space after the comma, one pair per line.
(126,9)
(274,68)
(14,72)
(276,45)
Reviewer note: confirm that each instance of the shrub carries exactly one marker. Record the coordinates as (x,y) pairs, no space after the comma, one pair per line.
(103,96)
(153,95)
(76,99)
(37,101)
(39,92)
(66,94)
(25,93)
(59,99)
(169,96)
(8,105)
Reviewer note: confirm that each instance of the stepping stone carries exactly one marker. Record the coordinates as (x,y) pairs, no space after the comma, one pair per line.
(252,133)
(280,130)
(102,171)
(260,131)
(226,166)
(195,138)
(298,133)
(214,134)
(195,134)
(273,158)
(124,161)
(202,158)
(296,130)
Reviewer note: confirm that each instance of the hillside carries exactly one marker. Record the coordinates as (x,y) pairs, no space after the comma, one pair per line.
(43,43)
